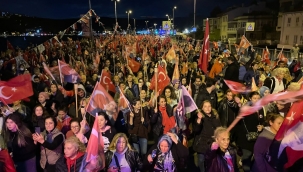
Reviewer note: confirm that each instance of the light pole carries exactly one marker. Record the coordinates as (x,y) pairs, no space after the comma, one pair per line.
(194,13)
(128,12)
(175,7)
(155,24)
(167,16)
(146,24)
(116,9)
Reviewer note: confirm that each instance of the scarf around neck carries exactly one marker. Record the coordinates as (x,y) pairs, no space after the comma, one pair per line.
(165,162)
(167,122)
(71,162)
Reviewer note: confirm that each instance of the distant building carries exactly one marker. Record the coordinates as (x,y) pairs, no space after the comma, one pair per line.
(291,27)
(290,23)
(233,21)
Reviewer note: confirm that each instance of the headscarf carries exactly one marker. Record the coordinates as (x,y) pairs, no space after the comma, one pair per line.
(262,90)
(165,161)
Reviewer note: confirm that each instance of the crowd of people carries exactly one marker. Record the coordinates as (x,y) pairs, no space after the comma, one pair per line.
(47,132)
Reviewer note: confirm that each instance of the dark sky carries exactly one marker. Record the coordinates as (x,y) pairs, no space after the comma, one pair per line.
(62,9)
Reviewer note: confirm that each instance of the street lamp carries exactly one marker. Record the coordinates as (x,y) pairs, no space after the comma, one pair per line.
(167,16)
(174,16)
(134,24)
(155,24)
(128,12)
(194,13)
(146,24)
(116,8)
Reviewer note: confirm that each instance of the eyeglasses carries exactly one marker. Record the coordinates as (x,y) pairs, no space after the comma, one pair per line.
(74,127)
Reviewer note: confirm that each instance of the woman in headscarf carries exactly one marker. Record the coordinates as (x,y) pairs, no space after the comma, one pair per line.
(51,141)
(167,155)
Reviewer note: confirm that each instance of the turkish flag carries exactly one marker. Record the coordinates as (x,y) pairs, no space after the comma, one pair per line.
(163,80)
(106,82)
(236,87)
(265,56)
(244,43)
(15,89)
(204,55)
(101,100)
(133,64)
(95,148)
(287,146)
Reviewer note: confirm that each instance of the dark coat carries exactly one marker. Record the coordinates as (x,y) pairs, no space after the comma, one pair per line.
(138,128)
(251,122)
(224,112)
(205,95)
(61,165)
(204,132)
(132,158)
(260,150)
(231,73)
(156,120)
(215,161)
(179,153)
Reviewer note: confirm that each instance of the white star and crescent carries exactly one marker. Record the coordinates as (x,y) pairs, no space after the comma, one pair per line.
(1,94)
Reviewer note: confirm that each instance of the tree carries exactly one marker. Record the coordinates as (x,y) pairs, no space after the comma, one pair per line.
(214,35)
(214,12)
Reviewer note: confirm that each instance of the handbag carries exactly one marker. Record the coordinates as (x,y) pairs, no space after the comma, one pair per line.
(250,136)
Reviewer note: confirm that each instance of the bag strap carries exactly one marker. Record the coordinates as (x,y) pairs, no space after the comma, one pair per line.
(245,125)
(117,163)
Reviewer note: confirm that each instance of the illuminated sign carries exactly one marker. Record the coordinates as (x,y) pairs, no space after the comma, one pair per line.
(166,25)
(250,26)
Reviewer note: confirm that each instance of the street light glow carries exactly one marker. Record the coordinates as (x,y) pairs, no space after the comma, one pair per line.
(175,7)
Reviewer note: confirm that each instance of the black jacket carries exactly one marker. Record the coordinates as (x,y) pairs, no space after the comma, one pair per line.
(61,165)
(215,161)
(231,73)
(224,112)
(204,132)
(205,95)
(132,158)
(156,120)
(179,153)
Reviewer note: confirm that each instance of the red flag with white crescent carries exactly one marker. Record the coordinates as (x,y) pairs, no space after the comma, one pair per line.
(204,55)
(15,89)
(163,80)
(106,82)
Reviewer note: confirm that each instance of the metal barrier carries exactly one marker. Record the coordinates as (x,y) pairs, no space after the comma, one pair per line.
(273,52)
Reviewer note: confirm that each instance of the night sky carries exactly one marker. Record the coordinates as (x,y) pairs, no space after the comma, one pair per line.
(62,9)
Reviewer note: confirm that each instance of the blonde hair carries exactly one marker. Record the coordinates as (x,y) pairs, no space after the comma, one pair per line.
(294,86)
(114,142)
(76,142)
(277,71)
(219,131)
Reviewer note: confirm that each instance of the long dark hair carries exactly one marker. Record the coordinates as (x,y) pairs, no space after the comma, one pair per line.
(22,130)
(34,116)
(103,113)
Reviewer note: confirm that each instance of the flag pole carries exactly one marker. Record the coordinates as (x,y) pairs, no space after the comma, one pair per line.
(76,97)
(60,71)
(156,86)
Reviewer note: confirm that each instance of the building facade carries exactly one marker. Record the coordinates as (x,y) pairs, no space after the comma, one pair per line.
(291,27)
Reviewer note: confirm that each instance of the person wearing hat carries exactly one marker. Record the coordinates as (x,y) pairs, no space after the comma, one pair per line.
(167,155)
